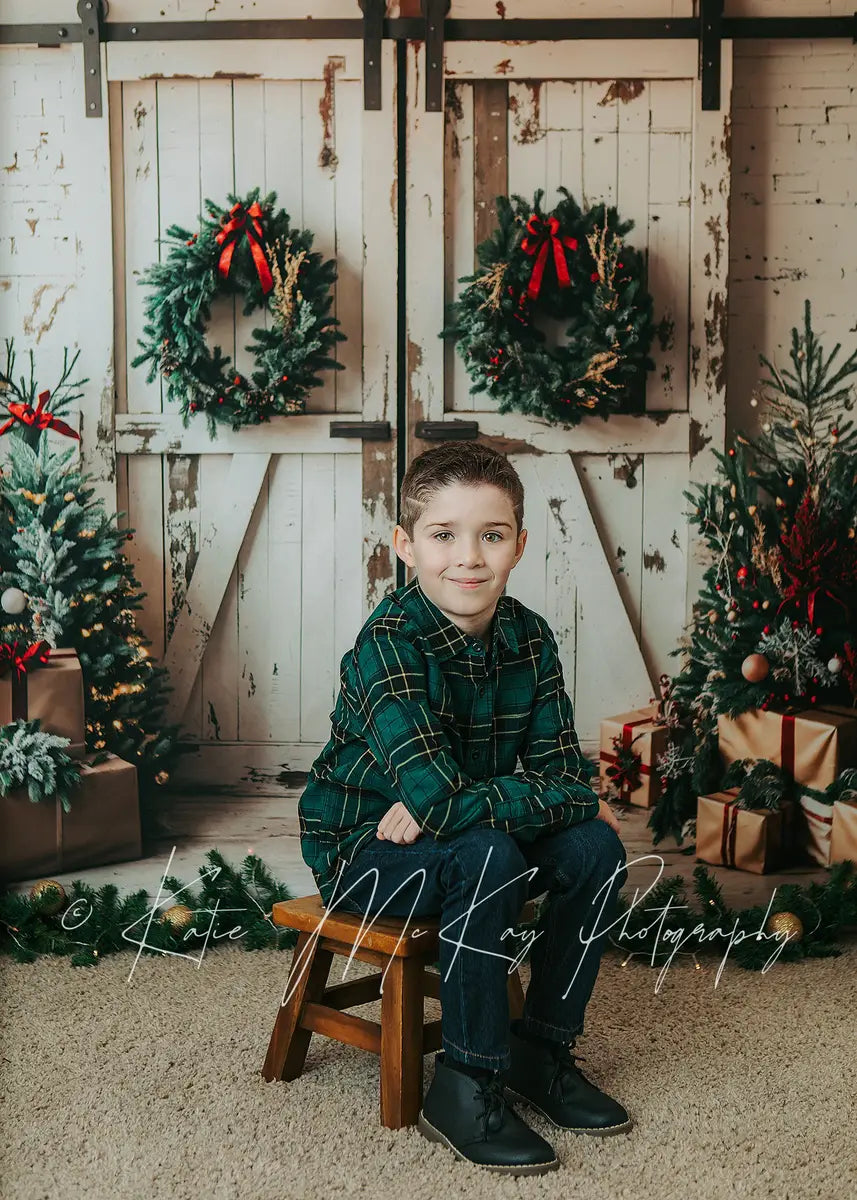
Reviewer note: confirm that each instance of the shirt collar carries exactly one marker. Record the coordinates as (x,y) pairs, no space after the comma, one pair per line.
(443,636)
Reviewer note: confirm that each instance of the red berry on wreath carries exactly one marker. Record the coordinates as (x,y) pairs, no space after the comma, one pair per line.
(237,380)
(742,573)
(593,278)
(819,631)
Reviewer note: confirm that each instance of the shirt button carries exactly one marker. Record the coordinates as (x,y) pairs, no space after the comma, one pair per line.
(482,691)
(475,753)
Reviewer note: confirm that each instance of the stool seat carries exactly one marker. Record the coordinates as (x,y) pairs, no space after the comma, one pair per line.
(384,934)
(403,1036)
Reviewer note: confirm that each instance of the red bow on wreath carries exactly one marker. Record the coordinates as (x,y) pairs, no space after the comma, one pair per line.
(27,415)
(11,656)
(544,235)
(230,234)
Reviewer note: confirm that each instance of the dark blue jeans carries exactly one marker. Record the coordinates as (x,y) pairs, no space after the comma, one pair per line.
(477,883)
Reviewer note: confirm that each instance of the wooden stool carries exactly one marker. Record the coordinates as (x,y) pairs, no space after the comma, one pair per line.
(403,1036)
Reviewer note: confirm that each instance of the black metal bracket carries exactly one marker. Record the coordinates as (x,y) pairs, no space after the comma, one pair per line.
(447,431)
(434,12)
(710,47)
(92,14)
(373,33)
(369,431)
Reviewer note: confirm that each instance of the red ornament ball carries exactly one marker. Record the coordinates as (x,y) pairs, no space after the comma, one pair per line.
(742,574)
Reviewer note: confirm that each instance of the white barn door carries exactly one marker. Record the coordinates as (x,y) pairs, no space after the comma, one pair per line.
(607,560)
(258,554)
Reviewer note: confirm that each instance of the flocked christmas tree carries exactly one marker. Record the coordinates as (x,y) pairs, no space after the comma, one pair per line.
(774,624)
(65,579)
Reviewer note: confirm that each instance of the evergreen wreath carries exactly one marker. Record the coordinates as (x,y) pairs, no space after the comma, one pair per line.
(568,265)
(252,251)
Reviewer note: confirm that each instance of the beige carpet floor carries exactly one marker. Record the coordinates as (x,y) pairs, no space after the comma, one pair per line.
(150,1088)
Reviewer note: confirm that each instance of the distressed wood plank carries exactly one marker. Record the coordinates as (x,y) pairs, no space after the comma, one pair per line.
(319,676)
(609,666)
(380,344)
(458,226)
(709,296)
(217,679)
(608,59)
(218,553)
(301,433)
(665,534)
(490,152)
(282,636)
(142,229)
(349,221)
(319,168)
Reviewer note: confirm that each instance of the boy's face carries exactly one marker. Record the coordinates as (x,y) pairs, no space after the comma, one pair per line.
(466,531)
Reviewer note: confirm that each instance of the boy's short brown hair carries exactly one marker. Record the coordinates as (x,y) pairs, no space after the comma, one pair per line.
(456,462)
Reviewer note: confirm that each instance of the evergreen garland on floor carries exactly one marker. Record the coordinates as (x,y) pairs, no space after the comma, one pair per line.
(235,906)
(91,923)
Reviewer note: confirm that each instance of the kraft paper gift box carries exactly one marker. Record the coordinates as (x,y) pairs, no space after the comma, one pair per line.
(843,832)
(748,839)
(103,825)
(53,693)
(813,745)
(640,731)
(819,821)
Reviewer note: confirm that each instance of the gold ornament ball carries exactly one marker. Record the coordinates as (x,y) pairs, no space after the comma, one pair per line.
(755,668)
(162,777)
(39,890)
(179,917)
(731,615)
(785,924)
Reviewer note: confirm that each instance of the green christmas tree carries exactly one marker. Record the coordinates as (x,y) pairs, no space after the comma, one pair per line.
(65,578)
(775,621)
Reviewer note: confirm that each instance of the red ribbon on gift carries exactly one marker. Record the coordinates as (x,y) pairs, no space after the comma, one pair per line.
(27,415)
(616,773)
(18,661)
(243,220)
(544,236)
(728,832)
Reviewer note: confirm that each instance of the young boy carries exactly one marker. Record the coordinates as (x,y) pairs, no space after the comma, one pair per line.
(413,809)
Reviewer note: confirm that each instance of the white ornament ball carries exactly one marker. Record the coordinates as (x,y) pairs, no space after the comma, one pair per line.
(835,665)
(13,600)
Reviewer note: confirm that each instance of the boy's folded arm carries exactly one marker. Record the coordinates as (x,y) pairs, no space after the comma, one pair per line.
(409,741)
(553,790)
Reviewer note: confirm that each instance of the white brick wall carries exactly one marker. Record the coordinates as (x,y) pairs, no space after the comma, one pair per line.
(794,188)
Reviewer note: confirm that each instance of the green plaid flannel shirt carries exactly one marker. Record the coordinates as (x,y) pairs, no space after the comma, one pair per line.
(429,716)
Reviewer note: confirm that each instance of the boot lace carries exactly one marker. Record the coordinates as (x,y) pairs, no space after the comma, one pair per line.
(493,1101)
(565,1072)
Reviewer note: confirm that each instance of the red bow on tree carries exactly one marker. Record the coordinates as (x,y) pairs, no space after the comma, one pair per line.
(22,661)
(820,566)
(244,220)
(36,417)
(544,234)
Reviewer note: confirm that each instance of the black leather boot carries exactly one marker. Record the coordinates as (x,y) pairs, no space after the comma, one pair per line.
(473,1118)
(544,1076)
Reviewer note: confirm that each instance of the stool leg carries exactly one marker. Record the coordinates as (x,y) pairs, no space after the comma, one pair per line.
(516,995)
(402,1020)
(287,1049)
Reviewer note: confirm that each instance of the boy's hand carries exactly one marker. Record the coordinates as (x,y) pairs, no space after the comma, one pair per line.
(606,813)
(397,825)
